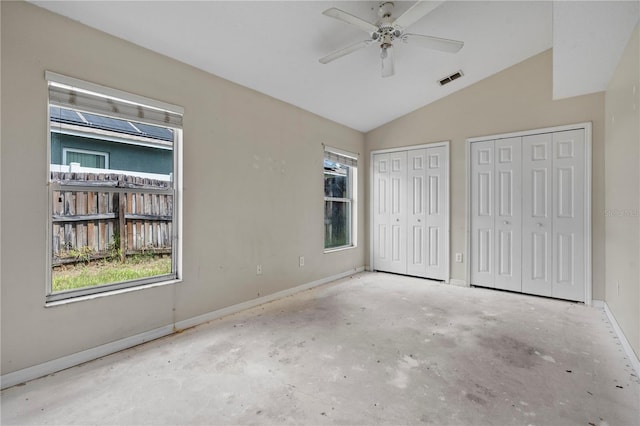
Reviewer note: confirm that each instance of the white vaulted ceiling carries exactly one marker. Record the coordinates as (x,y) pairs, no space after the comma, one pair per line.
(274,46)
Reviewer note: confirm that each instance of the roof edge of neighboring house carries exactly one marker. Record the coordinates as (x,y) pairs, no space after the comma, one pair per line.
(95,133)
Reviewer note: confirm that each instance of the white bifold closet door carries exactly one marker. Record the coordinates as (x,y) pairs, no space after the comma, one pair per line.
(390,212)
(553,233)
(496,214)
(527,214)
(410,211)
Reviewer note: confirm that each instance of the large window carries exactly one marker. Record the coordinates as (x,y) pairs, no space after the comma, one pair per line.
(114,189)
(340,185)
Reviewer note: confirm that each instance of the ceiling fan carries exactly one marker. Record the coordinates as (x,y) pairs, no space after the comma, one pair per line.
(389,29)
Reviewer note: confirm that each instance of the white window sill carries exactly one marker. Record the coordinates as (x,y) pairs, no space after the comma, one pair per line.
(343,248)
(110,293)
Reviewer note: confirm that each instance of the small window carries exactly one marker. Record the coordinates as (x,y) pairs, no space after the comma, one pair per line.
(340,187)
(113,189)
(92,159)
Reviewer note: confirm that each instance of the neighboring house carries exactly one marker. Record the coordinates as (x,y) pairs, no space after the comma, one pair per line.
(101,142)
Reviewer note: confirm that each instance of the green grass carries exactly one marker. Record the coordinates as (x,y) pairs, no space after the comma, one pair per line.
(108,272)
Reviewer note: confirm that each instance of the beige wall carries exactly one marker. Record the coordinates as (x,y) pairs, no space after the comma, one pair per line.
(622,201)
(518,98)
(253,189)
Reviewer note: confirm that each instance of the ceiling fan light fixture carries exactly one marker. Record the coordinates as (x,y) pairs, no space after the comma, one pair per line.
(387,61)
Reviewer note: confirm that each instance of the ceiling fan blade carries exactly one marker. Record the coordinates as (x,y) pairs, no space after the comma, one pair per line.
(436,43)
(344,51)
(350,19)
(387,61)
(415,12)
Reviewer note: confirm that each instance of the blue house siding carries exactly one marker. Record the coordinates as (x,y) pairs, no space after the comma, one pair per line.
(122,156)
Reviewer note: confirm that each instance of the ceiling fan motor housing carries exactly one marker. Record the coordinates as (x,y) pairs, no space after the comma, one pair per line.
(386,31)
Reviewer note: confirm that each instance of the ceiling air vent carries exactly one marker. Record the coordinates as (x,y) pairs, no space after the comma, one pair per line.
(449,79)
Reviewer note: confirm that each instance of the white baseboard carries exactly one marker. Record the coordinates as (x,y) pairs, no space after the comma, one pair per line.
(633,358)
(210,316)
(597,303)
(59,364)
(457,282)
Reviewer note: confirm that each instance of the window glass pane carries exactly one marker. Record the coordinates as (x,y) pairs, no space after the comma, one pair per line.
(104,237)
(336,180)
(101,237)
(337,224)
(86,160)
(131,148)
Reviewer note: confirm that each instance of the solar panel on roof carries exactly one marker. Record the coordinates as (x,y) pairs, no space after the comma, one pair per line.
(64,115)
(69,116)
(108,123)
(155,131)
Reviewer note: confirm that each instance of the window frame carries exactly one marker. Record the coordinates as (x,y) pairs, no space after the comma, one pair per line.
(351,201)
(175,190)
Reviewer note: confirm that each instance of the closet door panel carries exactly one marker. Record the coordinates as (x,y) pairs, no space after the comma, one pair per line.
(568,215)
(537,218)
(390,215)
(416,176)
(436,213)
(508,214)
(482,214)
(381,211)
(398,212)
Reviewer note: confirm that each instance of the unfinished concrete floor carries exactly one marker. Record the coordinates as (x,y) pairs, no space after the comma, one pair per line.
(372,349)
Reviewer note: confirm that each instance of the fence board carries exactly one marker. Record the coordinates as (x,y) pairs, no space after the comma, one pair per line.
(91,237)
(92,203)
(55,242)
(87,219)
(102,236)
(80,235)
(58,203)
(81,203)
(69,203)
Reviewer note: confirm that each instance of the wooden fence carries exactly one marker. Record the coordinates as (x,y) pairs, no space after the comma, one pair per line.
(93,224)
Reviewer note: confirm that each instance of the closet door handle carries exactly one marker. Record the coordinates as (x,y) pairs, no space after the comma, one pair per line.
(539,224)
(506,222)
(419,220)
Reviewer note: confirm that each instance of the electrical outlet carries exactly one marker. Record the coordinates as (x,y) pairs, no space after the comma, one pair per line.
(259,270)
(459,257)
(301,260)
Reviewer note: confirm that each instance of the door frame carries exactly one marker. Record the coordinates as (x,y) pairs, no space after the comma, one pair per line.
(447,203)
(586,126)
